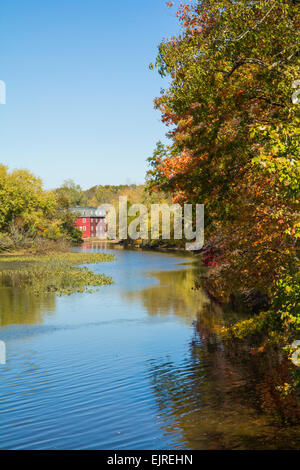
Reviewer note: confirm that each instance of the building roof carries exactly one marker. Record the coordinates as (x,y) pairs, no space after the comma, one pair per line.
(89,211)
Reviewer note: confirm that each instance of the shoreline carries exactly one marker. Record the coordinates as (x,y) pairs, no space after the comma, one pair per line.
(163,248)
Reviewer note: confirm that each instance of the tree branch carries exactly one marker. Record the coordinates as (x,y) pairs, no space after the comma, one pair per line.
(258,62)
(256,25)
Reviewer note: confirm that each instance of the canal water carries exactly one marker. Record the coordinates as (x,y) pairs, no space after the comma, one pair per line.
(135,365)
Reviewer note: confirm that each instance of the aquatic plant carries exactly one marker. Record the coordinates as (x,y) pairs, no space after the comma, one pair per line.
(57,273)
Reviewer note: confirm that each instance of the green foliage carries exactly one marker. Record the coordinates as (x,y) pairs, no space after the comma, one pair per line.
(153,179)
(71,194)
(286,301)
(29,214)
(23,201)
(67,225)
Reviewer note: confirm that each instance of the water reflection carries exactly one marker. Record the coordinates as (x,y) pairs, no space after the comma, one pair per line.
(102,376)
(222,396)
(19,306)
(173,294)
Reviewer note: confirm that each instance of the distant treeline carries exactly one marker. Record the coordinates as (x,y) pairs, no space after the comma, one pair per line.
(71,194)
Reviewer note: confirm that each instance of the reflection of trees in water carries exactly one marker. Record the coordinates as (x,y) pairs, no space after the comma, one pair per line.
(174,294)
(19,306)
(221,396)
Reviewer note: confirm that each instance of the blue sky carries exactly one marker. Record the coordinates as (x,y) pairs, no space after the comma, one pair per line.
(79,90)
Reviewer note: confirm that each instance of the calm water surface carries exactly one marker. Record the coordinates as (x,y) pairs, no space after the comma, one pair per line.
(137,365)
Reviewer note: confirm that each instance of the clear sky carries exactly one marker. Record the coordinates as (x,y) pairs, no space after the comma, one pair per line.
(79,90)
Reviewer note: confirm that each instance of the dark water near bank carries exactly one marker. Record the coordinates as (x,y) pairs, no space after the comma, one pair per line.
(137,365)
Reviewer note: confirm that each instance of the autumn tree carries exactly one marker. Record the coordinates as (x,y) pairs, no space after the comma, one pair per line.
(234,134)
(28,211)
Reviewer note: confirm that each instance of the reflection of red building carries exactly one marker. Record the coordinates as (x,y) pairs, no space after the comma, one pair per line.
(91,221)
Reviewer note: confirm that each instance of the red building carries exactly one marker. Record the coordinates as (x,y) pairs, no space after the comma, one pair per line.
(91,221)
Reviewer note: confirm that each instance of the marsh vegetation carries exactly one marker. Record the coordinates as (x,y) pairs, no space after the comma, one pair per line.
(62,273)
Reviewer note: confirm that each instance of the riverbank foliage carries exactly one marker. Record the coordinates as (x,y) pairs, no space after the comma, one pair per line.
(59,273)
(31,217)
(234,133)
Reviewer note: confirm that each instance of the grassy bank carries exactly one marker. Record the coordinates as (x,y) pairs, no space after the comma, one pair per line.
(60,273)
